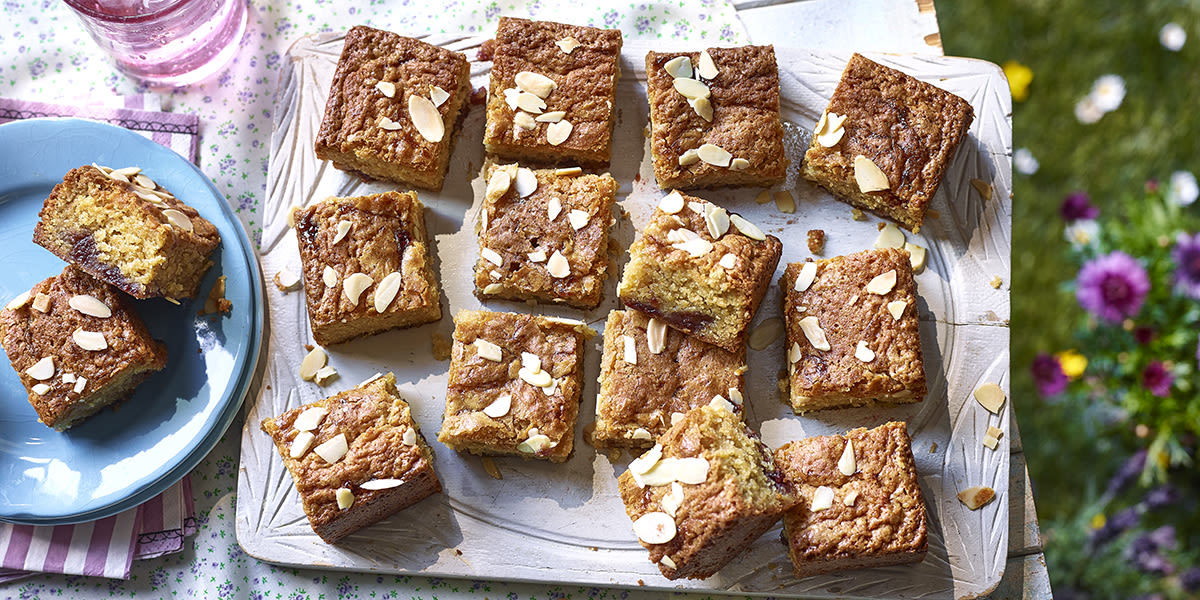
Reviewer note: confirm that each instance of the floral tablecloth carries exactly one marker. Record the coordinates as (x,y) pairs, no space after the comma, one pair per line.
(49,57)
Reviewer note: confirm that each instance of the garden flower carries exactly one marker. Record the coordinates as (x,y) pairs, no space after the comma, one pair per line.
(1161,497)
(1186,255)
(1086,110)
(1183,189)
(1024,161)
(1190,580)
(1130,470)
(1144,551)
(1118,524)
(1108,92)
(1172,37)
(1073,363)
(1157,379)
(1077,206)
(1112,286)
(1019,77)
(1143,335)
(1048,375)
(1082,233)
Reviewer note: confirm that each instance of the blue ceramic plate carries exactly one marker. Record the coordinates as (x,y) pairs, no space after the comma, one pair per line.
(124,456)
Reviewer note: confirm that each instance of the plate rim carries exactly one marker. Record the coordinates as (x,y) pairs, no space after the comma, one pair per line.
(237,393)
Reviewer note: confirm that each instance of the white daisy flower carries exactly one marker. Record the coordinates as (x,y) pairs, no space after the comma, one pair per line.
(1172,37)
(1108,92)
(1024,162)
(1081,233)
(1183,189)
(1087,112)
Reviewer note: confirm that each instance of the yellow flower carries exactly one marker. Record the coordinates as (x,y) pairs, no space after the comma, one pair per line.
(1073,363)
(1098,521)
(1019,77)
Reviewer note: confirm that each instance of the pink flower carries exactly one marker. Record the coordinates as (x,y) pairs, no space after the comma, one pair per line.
(1112,286)
(1157,379)
(1048,375)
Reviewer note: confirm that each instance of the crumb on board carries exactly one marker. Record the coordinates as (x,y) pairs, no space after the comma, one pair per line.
(997,282)
(441,346)
(816,241)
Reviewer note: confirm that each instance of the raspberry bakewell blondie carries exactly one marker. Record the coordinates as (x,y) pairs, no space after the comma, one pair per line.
(123,228)
(356,458)
(393,108)
(78,346)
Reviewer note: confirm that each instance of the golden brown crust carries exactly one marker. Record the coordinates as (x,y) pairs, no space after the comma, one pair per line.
(742,497)
(386,235)
(29,335)
(374,419)
(746,123)
(120,233)
(885,524)
(910,129)
(696,295)
(848,314)
(586,81)
(645,396)
(519,226)
(351,135)
(476,382)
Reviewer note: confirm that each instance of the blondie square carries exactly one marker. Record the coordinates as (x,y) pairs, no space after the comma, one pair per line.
(123,228)
(852,331)
(543,235)
(515,382)
(703,493)
(552,94)
(885,141)
(77,346)
(862,503)
(356,458)
(393,108)
(366,265)
(651,375)
(714,117)
(700,269)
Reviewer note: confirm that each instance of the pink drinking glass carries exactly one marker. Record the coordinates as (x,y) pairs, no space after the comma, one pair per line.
(167,43)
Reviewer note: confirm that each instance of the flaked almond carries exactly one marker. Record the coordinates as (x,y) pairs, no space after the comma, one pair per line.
(763,197)
(656,336)
(671,203)
(747,228)
(524,120)
(735,396)
(691,89)
(714,155)
(310,419)
(869,176)
(68,378)
(896,308)
(850,498)
(89,340)
(499,407)
(438,96)
(90,306)
(118,177)
(41,302)
(487,350)
(381,484)
(536,444)
(553,208)
(410,437)
(706,68)
(535,83)
(531,361)
(178,219)
(388,124)
(655,528)
(641,433)
(717,220)
(814,334)
(539,378)
(568,172)
(510,97)
(995,432)
(355,285)
(368,380)
(498,183)
(676,417)
(673,499)
(889,237)
(822,499)
(991,397)
(990,442)
(128,171)
(426,118)
(689,158)
(847,464)
(916,257)
(642,464)
(315,359)
(387,290)
(739,164)
(530,103)
(688,471)
(863,353)
(333,449)
(80,384)
(695,247)
(830,130)
(492,289)
(42,369)
(883,283)
(557,265)
(794,353)
(578,218)
(808,274)
(728,261)
(21,300)
(704,108)
(784,202)
(526,182)
(492,256)
(301,444)
(697,207)
(977,496)
(567,45)
(325,375)
(343,228)
(144,182)
(553,116)
(720,402)
(984,188)
(766,333)
(287,280)
(680,66)
(630,355)
(489,467)
(537,256)
(557,133)
(386,88)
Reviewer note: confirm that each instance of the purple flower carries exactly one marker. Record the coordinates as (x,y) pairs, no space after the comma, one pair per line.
(1118,524)
(1112,286)
(1077,206)
(1129,471)
(1190,579)
(1157,379)
(1187,265)
(1161,497)
(1048,375)
(1144,335)
(1144,551)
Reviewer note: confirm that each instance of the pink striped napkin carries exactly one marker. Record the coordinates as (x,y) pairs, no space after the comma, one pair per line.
(107,547)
